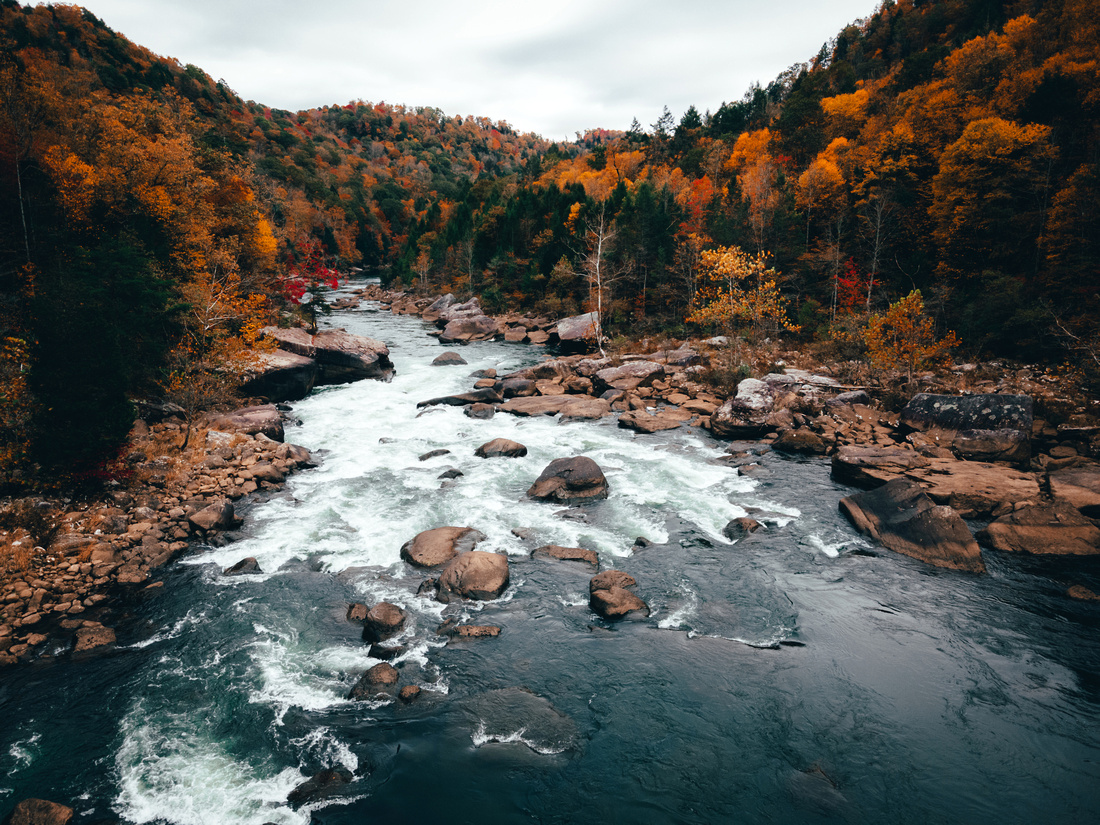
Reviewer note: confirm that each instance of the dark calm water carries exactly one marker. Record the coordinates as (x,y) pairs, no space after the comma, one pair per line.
(798,676)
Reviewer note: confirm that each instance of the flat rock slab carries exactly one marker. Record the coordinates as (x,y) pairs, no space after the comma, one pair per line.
(88,638)
(954,413)
(263,418)
(575,407)
(431,548)
(1044,529)
(642,421)
(569,480)
(904,519)
(629,376)
(556,551)
(801,441)
(483,396)
(343,357)
(1079,487)
(871,467)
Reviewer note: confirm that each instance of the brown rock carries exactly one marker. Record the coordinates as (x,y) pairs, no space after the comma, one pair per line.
(279,375)
(501,448)
(449,359)
(871,467)
(481,411)
(357,613)
(474,631)
(642,421)
(575,407)
(1046,529)
(374,681)
(91,637)
(319,786)
(472,328)
(409,694)
(39,812)
(741,527)
(342,357)
(610,578)
(904,519)
(245,567)
(217,516)
(438,546)
(1078,591)
(567,553)
(383,621)
(609,597)
(803,441)
(475,575)
(250,421)
(1078,487)
(569,480)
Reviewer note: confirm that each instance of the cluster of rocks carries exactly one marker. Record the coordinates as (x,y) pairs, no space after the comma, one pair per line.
(64,595)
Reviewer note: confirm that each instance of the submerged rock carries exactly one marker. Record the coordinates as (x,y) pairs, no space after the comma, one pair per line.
(383,621)
(319,786)
(570,480)
(374,681)
(903,518)
(246,566)
(555,551)
(486,396)
(738,528)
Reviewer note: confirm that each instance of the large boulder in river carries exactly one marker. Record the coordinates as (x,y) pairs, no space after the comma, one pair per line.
(39,812)
(989,427)
(321,785)
(438,546)
(342,357)
(383,675)
(869,466)
(904,519)
(578,332)
(629,376)
(472,328)
(570,480)
(263,418)
(1044,529)
(383,621)
(569,407)
(482,396)
(217,516)
(474,575)
(501,448)
(280,376)
(746,414)
(447,359)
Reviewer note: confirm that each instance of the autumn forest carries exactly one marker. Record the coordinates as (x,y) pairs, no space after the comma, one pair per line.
(151,221)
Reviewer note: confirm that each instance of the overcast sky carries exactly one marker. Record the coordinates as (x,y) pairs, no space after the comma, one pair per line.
(555,68)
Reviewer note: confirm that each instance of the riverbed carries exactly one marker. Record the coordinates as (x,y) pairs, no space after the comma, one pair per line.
(799,675)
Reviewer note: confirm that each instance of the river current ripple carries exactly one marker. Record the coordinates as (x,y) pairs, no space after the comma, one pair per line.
(799,675)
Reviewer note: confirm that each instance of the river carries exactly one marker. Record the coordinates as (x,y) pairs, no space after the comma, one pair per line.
(800,675)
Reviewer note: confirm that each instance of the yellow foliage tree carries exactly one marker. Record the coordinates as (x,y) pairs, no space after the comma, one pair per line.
(904,338)
(739,289)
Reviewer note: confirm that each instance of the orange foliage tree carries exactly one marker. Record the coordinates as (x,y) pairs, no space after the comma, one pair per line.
(904,337)
(740,290)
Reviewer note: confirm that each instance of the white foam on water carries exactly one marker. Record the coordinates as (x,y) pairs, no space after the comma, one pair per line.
(190,620)
(323,746)
(832,549)
(170,769)
(481,737)
(679,618)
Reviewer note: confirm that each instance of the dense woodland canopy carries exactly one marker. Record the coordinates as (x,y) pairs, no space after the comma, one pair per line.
(149,217)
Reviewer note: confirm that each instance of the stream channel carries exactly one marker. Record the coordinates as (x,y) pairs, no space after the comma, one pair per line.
(800,675)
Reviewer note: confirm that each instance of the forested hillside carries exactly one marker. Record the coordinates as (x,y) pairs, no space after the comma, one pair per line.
(946,146)
(150,219)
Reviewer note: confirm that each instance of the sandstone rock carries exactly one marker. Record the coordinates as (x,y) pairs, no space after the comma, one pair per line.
(39,812)
(1055,529)
(803,441)
(501,448)
(643,422)
(578,332)
(609,597)
(357,613)
(244,567)
(746,414)
(383,621)
(738,528)
(474,631)
(567,553)
(342,357)
(570,480)
(870,467)
(475,575)
(1079,487)
(629,376)
(853,397)
(319,786)
(568,406)
(87,638)
(281,376)
(904,519)
(374,681)
(264,419)
(1081,592)
(482,412)
(408,694)
(472,328)
(518,388)
(217,516)
(485,396)
(979,427)
(447,359)
(438,546)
